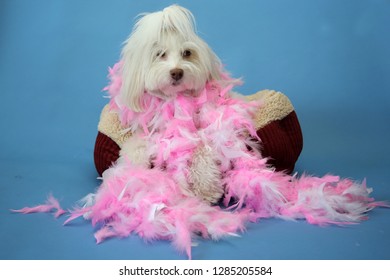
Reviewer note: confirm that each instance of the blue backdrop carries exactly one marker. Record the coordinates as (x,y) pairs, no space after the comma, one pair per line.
(331,58)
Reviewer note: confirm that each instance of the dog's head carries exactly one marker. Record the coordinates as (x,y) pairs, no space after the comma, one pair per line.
(165,57)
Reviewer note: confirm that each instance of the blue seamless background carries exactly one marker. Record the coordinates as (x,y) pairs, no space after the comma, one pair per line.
(331,58)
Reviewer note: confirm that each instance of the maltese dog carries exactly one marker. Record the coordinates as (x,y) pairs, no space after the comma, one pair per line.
(166,58)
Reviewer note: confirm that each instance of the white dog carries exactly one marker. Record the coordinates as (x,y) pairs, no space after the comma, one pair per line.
(164,56)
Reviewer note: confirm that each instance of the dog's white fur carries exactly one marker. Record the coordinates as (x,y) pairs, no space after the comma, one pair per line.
(164,56)
(161,42)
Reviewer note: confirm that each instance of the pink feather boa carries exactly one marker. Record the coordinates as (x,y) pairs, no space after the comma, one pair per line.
(156,203)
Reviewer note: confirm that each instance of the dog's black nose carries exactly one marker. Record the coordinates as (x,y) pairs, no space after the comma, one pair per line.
(177,74)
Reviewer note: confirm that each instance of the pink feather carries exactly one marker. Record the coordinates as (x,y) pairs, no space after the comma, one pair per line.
(158,204)
(51,205)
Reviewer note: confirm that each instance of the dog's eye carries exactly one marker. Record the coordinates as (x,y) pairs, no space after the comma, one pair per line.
(161,54)
(187,53)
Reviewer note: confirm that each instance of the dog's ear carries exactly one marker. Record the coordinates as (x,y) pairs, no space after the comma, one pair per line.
(133,77)
(215,65)
(136,58)
(211,63)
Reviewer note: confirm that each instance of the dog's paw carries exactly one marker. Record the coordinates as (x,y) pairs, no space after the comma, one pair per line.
(205,176)
(135,151)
